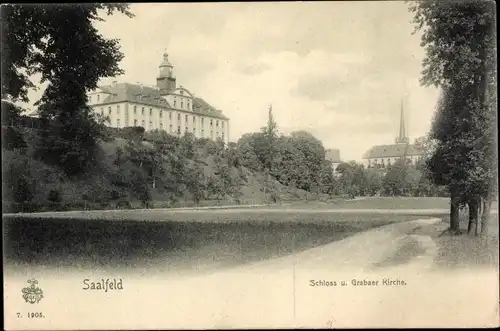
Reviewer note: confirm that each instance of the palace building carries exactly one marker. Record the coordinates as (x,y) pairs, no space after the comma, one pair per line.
(384,155)
(162,107)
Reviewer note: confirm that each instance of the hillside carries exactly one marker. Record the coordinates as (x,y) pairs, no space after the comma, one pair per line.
(136,170)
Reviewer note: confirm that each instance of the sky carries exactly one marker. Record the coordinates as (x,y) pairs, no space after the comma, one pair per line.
(338,70)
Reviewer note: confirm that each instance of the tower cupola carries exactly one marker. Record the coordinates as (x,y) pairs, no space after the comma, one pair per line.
(166,81)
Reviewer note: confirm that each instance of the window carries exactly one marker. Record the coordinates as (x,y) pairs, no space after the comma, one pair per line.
(194,131)
(150,124)
(170,115)
(182,104)
(98,97)
(118,122)
(194,119)
(179,129)
(135,109)
(150,111)
(178,117)
(161,114)
(143,124)
(142,111)
(175,103)
(170,127)
(109,110)
(118,110)
(222,135)
(189,105)
(211,123)
(102,111)
(202,121)
(186,129)
(202,133)
(222,124)
(161,125)
(211,134)
(217,123)
(135,122)
(182,92)
(186,118)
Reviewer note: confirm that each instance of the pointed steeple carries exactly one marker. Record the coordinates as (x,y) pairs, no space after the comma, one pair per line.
(402,138)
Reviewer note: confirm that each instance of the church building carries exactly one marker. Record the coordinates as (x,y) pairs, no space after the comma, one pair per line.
(164,107)
(384,155)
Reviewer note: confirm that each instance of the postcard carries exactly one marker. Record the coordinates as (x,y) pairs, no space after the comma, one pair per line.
(263,165)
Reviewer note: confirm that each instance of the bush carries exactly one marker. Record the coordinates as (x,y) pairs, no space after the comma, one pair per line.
(54,196)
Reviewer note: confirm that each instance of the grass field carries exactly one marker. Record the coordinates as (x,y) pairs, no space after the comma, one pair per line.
(173,245)
(379,203)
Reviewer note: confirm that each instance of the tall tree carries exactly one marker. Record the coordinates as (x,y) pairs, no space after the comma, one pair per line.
(270,133)
(61,44)
(459,41)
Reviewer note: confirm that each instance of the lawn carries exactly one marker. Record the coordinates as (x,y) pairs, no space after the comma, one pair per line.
(464,251)
(380,203)
(174,245)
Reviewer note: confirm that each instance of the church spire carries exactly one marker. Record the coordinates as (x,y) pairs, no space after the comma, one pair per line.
(402,138)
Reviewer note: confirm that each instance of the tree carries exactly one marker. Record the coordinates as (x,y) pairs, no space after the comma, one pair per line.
(313,152)
(60,43)
(373,181)
(270,135)
(394,181)
(459,40)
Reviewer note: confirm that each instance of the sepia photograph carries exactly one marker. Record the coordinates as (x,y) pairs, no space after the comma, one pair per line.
(237,165)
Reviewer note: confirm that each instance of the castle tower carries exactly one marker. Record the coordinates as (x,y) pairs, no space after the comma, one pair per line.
(402,138)
(166,80)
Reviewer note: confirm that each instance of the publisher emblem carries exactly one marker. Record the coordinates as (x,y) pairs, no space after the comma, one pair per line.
(32,294)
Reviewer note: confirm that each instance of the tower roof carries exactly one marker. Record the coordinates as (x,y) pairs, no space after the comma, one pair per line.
(166,62)
(402,138)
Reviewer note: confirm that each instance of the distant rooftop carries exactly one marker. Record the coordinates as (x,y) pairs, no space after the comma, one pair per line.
(394,150)
(333,155)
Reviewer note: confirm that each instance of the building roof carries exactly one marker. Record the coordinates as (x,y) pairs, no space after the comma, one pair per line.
(202,107)
(394,150)
(150,96)
(333,155)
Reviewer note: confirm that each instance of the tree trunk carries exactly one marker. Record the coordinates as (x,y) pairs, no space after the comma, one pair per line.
(454,219)
(476,215)
(485,217)
(473,211)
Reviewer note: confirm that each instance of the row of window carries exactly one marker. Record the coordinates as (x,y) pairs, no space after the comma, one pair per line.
(161,115)
(382,161)
(143,124)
